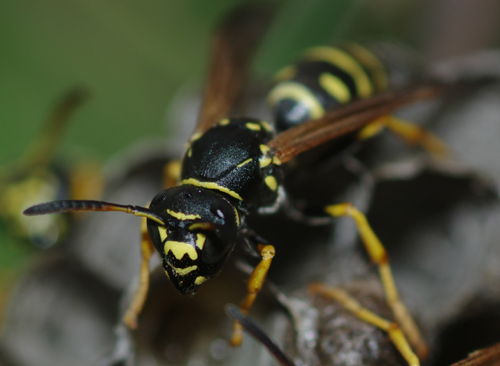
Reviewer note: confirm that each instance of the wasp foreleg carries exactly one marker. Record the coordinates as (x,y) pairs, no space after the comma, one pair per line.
(135,307)
(255,284)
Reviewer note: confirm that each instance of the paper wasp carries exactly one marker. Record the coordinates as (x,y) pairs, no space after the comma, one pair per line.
(37,175)
(232,168)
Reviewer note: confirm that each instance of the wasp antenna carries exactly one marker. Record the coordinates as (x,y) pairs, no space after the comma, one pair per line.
(250,327)
(84,205)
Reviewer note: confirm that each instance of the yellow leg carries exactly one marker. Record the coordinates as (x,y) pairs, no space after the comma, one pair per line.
(379,256)
(171,173)
(254,286)
(135,307)
(411,133)
(86,181)
(395,333)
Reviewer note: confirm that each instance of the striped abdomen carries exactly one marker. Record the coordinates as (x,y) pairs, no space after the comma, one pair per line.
(322,79)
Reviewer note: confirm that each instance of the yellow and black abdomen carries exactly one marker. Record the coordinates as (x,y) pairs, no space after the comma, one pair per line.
(322,79)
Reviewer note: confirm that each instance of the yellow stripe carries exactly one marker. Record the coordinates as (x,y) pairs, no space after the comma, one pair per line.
(266,126)
(224,122)
(200,240)
(237,216)
(182,216)
(211,185)
(345,62)
(163,233)
(370,62)
(265,159)
(195,136)
(276,160)
(244,163)
(335,87)
(271,182)
(285,74)
(295,91)
(179,249)
(253,126)
(199,280)
(183,271)
(264,149)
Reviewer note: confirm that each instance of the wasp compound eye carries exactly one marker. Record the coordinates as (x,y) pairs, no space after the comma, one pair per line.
(214,249)
(222,210)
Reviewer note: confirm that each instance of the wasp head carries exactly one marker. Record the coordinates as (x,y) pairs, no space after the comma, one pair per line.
(201,229)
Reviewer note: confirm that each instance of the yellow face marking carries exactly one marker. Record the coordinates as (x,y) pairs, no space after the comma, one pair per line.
(237,216)
(299,93)
(345,62)
(253,126)
(335,87)
(266,126)
(224,122)
(199,280)
(286,74)
(182,216)
(184,271)
(167,274)
(244,162)
(211,185)
(201,226)
(179,249)
(372,63)
(163,233)
(190,152)
(276,160)
(200,240)
(271,182)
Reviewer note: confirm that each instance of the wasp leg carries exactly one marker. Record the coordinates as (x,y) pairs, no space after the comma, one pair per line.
(135,307)
(171,173)
(254,286)
(86,181)
(378,254)
(411,133)
(395,334)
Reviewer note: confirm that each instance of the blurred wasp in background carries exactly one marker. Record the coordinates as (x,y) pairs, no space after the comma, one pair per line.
(39,175)
(232,166)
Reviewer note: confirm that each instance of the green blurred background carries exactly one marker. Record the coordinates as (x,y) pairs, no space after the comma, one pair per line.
(134,55)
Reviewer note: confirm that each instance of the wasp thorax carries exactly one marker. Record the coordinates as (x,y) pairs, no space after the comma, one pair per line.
(201,229)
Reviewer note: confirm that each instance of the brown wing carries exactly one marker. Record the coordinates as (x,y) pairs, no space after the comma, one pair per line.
(486,357)
(233,45)
(341,121)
